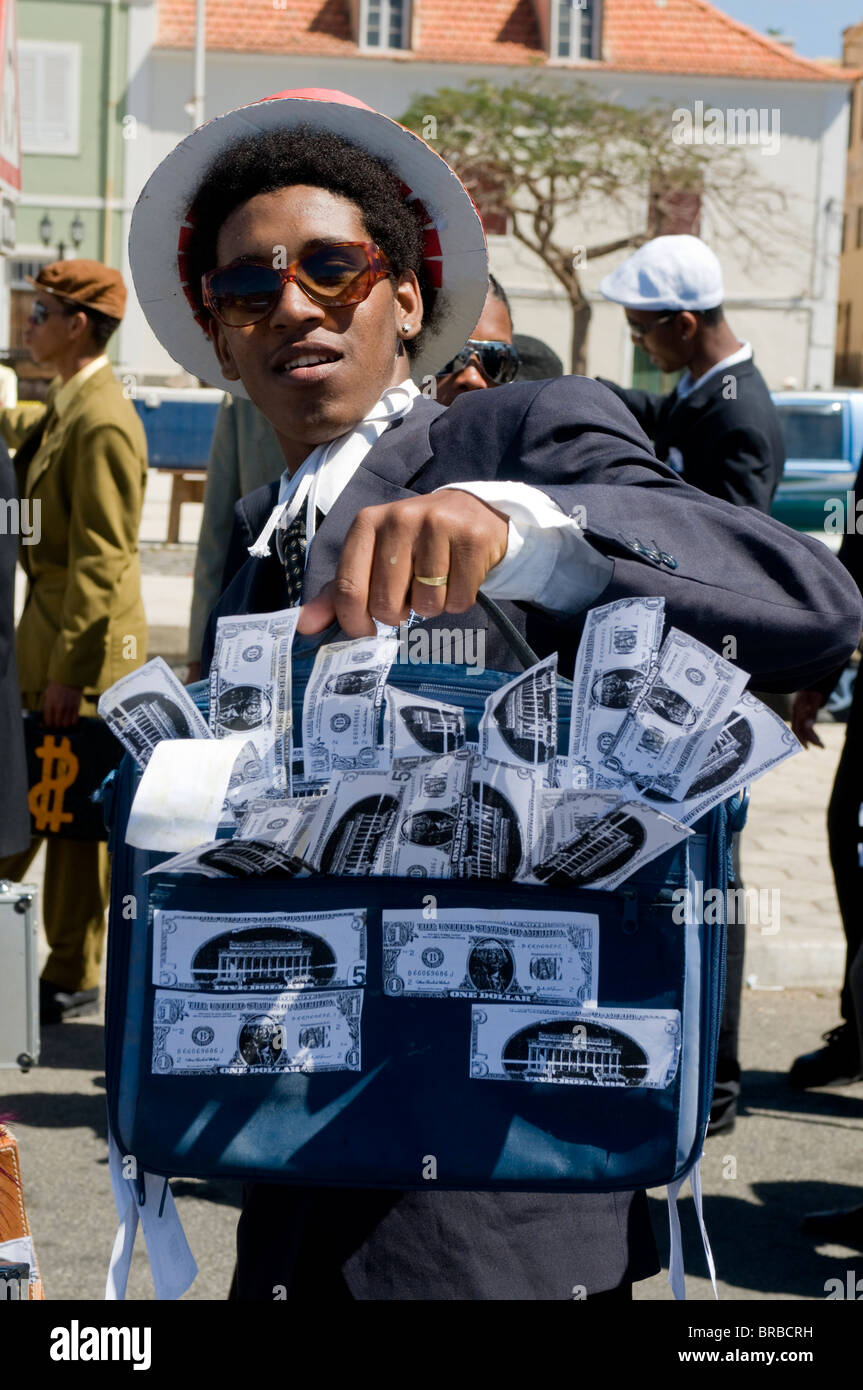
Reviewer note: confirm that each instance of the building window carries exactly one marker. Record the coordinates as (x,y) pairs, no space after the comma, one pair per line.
(49,77)
(385,24)
(572,29)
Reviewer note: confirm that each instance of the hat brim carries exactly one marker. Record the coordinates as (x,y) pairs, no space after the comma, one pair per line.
(454,241)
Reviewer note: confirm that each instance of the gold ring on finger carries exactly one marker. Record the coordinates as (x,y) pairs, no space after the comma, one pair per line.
(435,581)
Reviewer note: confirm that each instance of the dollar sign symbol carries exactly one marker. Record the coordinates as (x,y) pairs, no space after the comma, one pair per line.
(59,770)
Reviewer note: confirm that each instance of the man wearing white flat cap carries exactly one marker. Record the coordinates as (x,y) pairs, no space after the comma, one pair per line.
(718,427)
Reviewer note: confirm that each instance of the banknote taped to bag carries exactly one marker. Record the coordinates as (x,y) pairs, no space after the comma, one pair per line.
(245,1035)
(467,953)
(570,1047)
(677,716)
(341,707)
(428,830)
(250,687)
(616,654)
(519,723)
(267,952)
(415,727)
(148,706)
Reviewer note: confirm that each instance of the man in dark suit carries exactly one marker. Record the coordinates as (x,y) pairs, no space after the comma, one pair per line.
(718,427)
(370,521)
(14,815)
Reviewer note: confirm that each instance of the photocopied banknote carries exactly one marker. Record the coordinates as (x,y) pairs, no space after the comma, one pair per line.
(341,707)
(286,823)
(611,849)
(617,651)
(465,953)
(197,1034)
(267,952)
(677,716)
(503,821)
(150,705)
(347,832)
(415,727)
(235,858)
(250,687)
(752,742)
(519,723)
(593,1047)
(566,815)
(427,832)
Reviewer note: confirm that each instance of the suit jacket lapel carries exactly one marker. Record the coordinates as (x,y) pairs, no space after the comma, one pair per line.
(385,475)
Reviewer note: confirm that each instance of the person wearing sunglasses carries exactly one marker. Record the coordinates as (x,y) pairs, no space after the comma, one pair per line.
(81,466)
(488,358)
(718,427)
(308,252)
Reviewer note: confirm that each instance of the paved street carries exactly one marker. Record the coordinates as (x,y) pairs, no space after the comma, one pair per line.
(789,1154)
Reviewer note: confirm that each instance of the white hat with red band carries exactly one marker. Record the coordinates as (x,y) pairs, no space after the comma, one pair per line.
(454,242)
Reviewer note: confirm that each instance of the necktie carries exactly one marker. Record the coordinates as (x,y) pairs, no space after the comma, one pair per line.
(294,551)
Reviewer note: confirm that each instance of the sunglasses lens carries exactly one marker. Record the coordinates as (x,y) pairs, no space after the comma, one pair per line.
(336,274)
(500,363)
(243,294)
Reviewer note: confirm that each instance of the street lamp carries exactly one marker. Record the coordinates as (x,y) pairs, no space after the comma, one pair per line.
(76,233)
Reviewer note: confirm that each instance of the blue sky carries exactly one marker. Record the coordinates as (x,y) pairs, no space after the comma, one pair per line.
(816,27)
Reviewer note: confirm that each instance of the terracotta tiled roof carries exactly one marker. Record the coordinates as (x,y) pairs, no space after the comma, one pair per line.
(659,36)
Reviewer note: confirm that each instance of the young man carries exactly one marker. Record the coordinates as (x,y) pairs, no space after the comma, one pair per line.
(718,427)
(487,358)
(389,503)
(83,467)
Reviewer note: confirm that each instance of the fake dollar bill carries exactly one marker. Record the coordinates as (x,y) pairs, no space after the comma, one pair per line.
(347,832)
(677,716)
(566,815)
(519,722)
(250,688)
(195,1034)
(415,727)
(503,821)
(286,823)
(549,957)
(341,706)
(616,653)
(150,705)
(251,952)
(611,849)
(235,858)
(427,831)
(753,740)
(596,1047)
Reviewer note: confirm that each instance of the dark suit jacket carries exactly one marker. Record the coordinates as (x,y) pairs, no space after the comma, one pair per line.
(730,439)
(851,555)
(14,815)
(723,572)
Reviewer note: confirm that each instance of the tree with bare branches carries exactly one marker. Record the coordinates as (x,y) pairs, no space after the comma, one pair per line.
(542,152)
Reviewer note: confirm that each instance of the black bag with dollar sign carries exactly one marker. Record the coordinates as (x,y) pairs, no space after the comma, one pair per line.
(64,768)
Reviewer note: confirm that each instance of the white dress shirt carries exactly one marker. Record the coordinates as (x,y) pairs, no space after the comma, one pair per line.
(547,562)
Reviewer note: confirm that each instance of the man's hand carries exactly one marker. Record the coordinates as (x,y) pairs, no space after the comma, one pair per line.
(806,705)
(446,533)
(60,705)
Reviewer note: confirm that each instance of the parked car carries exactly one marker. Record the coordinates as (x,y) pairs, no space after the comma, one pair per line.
(823,445)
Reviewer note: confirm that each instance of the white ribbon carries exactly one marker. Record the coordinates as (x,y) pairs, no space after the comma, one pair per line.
(172,1263)
(676,1277)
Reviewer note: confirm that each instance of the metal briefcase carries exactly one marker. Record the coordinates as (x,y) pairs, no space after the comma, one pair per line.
(19,975)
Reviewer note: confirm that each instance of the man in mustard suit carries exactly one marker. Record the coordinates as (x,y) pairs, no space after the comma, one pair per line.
(82,466)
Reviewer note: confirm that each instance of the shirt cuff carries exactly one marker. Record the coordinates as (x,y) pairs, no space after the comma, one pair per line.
(548,561)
